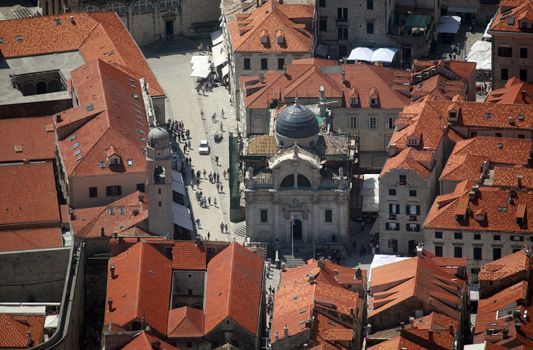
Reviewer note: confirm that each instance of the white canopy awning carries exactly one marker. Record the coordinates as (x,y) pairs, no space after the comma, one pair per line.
(219,54)
(199,60)
(182,216)
(481,54)
(384,55)
(200,72)
(217,37)
(361,54)
(370,193)
(449,24)
(51,321)
(225,70)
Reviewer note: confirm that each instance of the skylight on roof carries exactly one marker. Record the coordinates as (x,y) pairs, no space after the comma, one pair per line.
(89,107)
(79,158)
(122,210)
(101,164)
(77,144)
(130,162)
(520,117)
(140,132)
(488,115)
(510,21)
(77,152)
(73,137)
(1,40)
(111,211)
(57,21)
(19,37)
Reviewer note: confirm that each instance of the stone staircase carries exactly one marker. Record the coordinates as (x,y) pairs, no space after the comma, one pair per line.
(177,44)
(239,229)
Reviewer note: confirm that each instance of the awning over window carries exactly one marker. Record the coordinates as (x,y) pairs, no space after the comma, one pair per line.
(225,70)
(449,24)
(219,54)
(384,54)
(417,21)
(182,216)
(217,37)
(177,182)
(361,54)
(200,66)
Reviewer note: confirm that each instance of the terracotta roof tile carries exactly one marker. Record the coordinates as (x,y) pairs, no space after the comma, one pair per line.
(505,267)
(234,288)
(513,177)
(20,206)
(500,214)
(140,289)
(14,330)
(188,255)
(419,278)
(28,138)
(491,115)
(468,155)
(245,33)
(119,216)
(32,238)
(120,123)
(145,341)
(410,158)
(95,35)
(509,21)
(185,322)
(303,289)
(514,91)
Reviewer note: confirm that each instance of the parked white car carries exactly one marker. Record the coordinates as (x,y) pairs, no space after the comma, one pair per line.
(204,147)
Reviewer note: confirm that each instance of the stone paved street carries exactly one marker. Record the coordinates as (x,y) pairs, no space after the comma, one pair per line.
(173,73)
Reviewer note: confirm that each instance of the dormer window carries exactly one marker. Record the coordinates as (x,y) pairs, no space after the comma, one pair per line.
(354,101)
(280,37)
(264,37)
(453,115)
(112,156)
(374,102)
(114,160)
(413,141)
(524,24)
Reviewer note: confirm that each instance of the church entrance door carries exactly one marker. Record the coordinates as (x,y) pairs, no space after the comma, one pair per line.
(297,230)
(169,29)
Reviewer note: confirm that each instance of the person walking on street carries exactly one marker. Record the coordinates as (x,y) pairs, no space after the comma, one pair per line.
(198,223)
(188,133)
(222,113)
(216,159)
(226,228)
(215,202)
(221,188)
(209,200)
(204,173)
(218,187)
(208,235)
(224,173)
(222,227)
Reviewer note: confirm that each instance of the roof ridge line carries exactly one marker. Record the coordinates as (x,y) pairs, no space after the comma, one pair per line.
(231,272)
(93,145)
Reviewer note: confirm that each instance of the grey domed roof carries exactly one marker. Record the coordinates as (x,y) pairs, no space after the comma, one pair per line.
(297,122)
(158,138)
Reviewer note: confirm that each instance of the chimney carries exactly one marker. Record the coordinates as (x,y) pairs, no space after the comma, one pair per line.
(261,78)
(505,332)
(281,2)
(519,181)
(402,325)
(58,118)
(112,270)
(115,234)
(71,213)
(102,232)
(110,304)
(285,70)
(419,249)
(343,74)
(452,331)
(286,331)
(156,344)
(430,335)
(358,274)
(141,197)
(72,20)
(29,339)
(277,336)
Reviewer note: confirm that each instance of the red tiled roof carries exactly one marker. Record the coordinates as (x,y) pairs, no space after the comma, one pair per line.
(14,330)
(28,138)
(410,158)
(185,322)
(304,78)
(119,216)
(95,35)
(514,91)
(491,115)
(303,288)
(508,177)
(500,214)
(140,289)
(145,341)
(468,155)
(509,21)
(419,278)
(116,119)
(246,31)
(505,267)
(32,196)
(188,255)
(330,333)
(32,238)
(234,288)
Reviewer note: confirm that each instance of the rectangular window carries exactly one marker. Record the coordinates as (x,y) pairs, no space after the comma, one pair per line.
(353,123)
(497,238)
(264,215)
(392,192)
(504,74)
(113,191)
(412,209)
(328,215)
(438,250)
(523,74)
(458,252)
(523,52)
(93,192)
(281,63)
(391,123)
(323,24)
(370,27)
(478,253)
(412,227)
(457,235)
(321,3)
(477,236)
(247,63)
(342,13)
(438,235)
(264,63)
(505,52)
(496,253)
(140,187)
(403,180)
(412,193)
(342,33)
(392,226)
(394,208)
(369,4)
(372,123)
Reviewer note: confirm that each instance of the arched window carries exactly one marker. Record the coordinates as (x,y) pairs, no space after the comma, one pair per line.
(159,175)
(41,88)
(91,8)
(142,6)
(303,181)
(117,7)
(288,181)
(168,4)
(28,89)
(54,86)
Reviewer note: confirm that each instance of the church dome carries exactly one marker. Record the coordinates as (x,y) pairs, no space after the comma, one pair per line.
(158,138)
(297,122)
